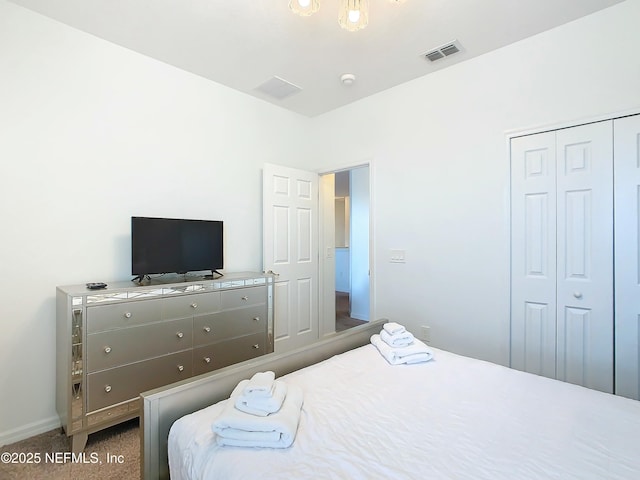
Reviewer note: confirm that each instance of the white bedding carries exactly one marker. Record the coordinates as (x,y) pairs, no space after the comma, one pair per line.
(450,418)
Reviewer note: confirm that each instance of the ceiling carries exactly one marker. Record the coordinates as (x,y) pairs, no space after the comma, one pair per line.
(245,43)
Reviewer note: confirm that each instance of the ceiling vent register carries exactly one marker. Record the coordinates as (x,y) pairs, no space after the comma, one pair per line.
(443,51)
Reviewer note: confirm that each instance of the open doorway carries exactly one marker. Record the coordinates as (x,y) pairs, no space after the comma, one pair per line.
(352,270)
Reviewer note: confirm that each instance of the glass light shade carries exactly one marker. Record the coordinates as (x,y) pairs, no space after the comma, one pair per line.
(304,7)
(353,14)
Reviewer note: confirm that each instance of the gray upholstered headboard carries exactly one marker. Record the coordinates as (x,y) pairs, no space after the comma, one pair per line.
(161,407)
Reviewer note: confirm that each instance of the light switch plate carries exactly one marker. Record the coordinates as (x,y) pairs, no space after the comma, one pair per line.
(397,256)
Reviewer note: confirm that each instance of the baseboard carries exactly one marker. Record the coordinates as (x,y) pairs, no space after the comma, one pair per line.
(29,430)
(357,316)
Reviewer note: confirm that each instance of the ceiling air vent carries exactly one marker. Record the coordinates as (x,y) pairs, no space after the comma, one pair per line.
(443,51)
(278,88)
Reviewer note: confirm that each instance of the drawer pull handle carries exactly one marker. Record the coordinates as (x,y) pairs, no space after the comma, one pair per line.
(179,334)
(207,359)
(245,298)
(127,315)
(577,294)
(107,349)
(107,388)
(180,368)
(256,346)
(194,305)
(256,319)
(206,329)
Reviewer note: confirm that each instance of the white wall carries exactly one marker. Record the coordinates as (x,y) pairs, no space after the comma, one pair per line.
(91,134)
(359,243)
(441,169)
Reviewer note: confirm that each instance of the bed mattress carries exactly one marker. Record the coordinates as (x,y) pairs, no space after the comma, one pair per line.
(450,418)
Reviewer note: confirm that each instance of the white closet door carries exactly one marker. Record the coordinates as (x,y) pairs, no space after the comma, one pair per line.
(584,158)
(627,265)
(533,254)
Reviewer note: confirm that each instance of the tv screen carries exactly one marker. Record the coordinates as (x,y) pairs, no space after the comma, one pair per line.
(172,245)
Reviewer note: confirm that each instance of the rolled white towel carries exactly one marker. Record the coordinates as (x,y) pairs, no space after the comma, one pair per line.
(263,406)
(415,353)
(241,429)
(260,385)
(393,328)
(397,340)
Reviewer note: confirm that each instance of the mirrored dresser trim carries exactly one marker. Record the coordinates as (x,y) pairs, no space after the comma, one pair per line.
(71,338)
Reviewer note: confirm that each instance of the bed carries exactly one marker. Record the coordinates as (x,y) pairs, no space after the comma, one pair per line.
(452,417)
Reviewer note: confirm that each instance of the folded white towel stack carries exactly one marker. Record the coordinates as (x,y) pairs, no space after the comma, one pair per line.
(277,430)
(262,405)
(417,352)
(260,385)
(393,328)
(397,339)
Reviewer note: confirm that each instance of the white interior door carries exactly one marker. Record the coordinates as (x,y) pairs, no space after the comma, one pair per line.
(290,243)
(562,255)
(627,263)
(533,254)
(584,157)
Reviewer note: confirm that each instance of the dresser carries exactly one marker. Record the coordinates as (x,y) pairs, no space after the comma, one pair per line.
(114,343)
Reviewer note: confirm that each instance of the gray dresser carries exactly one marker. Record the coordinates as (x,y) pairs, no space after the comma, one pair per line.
(114,343)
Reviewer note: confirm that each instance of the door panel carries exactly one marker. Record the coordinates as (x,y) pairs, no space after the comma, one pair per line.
(574,346)
(533,254)
(585,255)
(627,265)
(290,224)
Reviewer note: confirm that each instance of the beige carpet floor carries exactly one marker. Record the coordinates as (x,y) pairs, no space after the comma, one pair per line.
(343,320)
(113,453)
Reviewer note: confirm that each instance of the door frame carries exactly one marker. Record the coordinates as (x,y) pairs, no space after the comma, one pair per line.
(327,319)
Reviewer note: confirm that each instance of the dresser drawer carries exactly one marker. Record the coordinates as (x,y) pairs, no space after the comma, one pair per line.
(190,305)
(127,345)
(125,383)
(212,357)
(125,314)
(229,324)
(243,297)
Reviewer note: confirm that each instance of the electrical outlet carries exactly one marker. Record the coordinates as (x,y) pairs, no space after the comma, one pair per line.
(425,334)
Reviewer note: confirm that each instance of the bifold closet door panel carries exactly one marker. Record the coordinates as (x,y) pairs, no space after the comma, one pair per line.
(627,263)
(533,254)
(584,168)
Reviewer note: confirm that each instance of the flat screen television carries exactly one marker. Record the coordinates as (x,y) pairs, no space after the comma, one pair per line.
(173,245)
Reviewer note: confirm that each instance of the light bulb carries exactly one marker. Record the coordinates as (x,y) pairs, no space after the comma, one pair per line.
(304,8)
(353,15)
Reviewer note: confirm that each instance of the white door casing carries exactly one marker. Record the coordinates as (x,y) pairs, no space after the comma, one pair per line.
(327,247)
(290,249)
(627,263)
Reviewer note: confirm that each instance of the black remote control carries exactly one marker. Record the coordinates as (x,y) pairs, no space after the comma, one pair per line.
(96,285)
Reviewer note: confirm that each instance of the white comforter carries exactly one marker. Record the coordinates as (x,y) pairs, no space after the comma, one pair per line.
(450,418)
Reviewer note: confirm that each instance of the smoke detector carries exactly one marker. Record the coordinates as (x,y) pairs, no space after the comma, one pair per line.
(348,79)
(443,51)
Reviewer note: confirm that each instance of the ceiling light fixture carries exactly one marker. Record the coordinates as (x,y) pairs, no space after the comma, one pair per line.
(353,15)
(304,7)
